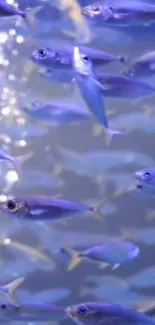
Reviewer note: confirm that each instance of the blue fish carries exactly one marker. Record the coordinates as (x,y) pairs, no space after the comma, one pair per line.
(112,252)
(143,66)
(59,56)
(8,10)
(35,208)
(94,313)
(115,85)
(90,90)
(30,312)
(120,13)
(57,112)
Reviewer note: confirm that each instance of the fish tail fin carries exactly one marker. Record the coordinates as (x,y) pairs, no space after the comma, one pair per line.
(18,161)
(97,210)
(9,288)
(110,133)
(75,258)
(29,14)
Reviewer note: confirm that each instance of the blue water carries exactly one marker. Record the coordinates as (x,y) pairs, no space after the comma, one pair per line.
(72,161)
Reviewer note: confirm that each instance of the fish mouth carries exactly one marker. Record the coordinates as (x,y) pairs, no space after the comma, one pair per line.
(70,312)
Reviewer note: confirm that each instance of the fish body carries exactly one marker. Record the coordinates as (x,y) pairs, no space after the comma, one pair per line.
(37,208)
(58,75)
(115,85)
(121,13)
(57,111)
(58,56)
(144,65)
(90,89)
(94,313)
(112,252)
(30,312)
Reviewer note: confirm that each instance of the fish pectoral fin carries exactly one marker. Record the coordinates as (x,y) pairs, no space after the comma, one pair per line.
(115,266)
(98,83)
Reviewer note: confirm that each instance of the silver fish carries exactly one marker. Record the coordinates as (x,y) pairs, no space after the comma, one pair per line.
(90,90)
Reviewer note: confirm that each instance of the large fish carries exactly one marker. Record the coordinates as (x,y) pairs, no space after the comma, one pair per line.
(35,208)
(59,56)
(95,313)
(121,13)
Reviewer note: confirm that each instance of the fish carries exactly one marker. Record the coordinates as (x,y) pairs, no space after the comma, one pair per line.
(32,252)
(57,111)
(112,289)
(111,252)
(90,90)
(143,66)
(9,289)
(94,313)
(115,85)
(16,161)
(8,10)
(41,208)
(35,311)
(143,279)
(120,13)
(60,55)
(146,180)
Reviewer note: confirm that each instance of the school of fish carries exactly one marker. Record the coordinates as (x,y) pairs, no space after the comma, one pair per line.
(78,65)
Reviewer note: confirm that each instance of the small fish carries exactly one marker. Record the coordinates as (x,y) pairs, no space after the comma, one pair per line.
(8,10)
(35,253)
(57,111)
(16,161)
(121,13)
(143,66)
(95,313)
(146,180)
(35,208)
(9,288)
(112,252)
(90,90)
(115,85)
(59,56)
(31,312)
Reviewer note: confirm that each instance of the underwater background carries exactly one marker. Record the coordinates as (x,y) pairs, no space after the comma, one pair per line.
(75,161)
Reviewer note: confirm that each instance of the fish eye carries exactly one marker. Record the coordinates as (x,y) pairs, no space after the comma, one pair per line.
(147,174)
(82,310)
(42,53)
(85,59)
(3,306)
(11,205)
